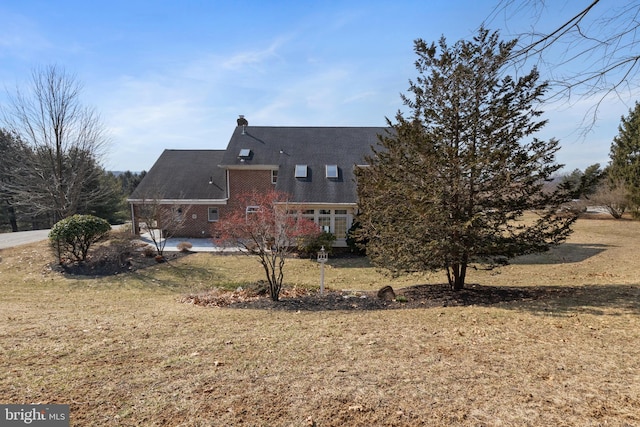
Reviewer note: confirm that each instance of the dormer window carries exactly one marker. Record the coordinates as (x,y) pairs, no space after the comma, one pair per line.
(331,171)
(301,171)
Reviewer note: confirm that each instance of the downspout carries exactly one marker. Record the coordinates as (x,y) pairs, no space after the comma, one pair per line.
(228,185)
(134,227)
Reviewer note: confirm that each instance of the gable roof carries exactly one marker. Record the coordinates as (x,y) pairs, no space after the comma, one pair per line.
(283,148)
(184,174)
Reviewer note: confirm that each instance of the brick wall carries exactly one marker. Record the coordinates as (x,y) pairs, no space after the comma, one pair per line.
(240,182)
(196,222)
(196,219)
(246,181)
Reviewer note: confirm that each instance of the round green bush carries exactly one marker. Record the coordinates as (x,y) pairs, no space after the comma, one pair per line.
(73,236)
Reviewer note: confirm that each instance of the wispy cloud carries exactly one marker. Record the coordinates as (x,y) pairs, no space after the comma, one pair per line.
(195,105)
(253,57)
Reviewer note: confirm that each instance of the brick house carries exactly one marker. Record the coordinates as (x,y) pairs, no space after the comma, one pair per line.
(314,165)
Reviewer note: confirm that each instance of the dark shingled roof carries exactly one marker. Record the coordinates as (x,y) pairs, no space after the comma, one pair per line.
(316,147)
(184,174)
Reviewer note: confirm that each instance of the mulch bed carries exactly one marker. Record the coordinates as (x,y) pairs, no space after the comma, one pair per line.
(420,296)
(110,260)
(126,256)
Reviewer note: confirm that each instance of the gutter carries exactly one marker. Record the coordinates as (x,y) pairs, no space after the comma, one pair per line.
(179,201)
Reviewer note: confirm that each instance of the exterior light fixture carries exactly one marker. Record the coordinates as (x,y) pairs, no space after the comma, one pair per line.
(322,259)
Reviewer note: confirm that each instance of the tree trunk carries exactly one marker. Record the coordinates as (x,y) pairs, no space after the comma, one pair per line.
(12,218)
(458,283)
(456,274)
(274,287)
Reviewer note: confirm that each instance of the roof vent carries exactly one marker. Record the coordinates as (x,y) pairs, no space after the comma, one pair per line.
(242,122)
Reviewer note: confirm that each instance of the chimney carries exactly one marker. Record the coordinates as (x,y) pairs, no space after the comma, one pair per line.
(242,122)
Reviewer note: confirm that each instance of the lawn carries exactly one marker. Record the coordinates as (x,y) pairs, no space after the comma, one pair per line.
(124,351)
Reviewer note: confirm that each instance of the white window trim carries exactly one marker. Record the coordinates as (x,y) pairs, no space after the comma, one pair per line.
(315,217)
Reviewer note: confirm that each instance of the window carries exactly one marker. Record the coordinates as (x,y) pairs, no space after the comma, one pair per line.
(213,214)
(301,171)
(340,223)
(324,220)
(340,227)
(334,221)
(177,214)
(274,176)
(332,171)
(245,152)
(325,223)
(309,214)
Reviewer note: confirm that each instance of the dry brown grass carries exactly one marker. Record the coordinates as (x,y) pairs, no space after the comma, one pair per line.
(123,351)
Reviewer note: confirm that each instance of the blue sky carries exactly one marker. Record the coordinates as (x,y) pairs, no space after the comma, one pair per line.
(176,74)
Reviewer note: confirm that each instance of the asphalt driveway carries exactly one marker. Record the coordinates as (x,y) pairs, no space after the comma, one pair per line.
(9,240)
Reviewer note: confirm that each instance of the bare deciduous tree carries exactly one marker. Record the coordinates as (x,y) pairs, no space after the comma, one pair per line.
(592,54)
(160,220)
(263,225)
(65,139)
(614,198)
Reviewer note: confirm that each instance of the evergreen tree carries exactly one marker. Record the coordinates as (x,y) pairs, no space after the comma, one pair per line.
(130,180)
(9,147)
(450,183)
(624,167)
(581,185)
(111,205)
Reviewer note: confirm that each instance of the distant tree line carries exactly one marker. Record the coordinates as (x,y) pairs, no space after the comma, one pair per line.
(51,149)
(616,187)
(25,206)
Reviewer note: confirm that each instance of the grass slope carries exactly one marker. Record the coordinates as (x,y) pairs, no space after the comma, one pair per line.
(122,351)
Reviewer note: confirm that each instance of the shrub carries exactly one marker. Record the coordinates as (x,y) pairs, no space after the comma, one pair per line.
(356,244)
(73,236)
(184,246)
(311,246)
(148,251)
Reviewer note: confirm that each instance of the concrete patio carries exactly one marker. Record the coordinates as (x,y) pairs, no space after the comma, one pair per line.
(198,245)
